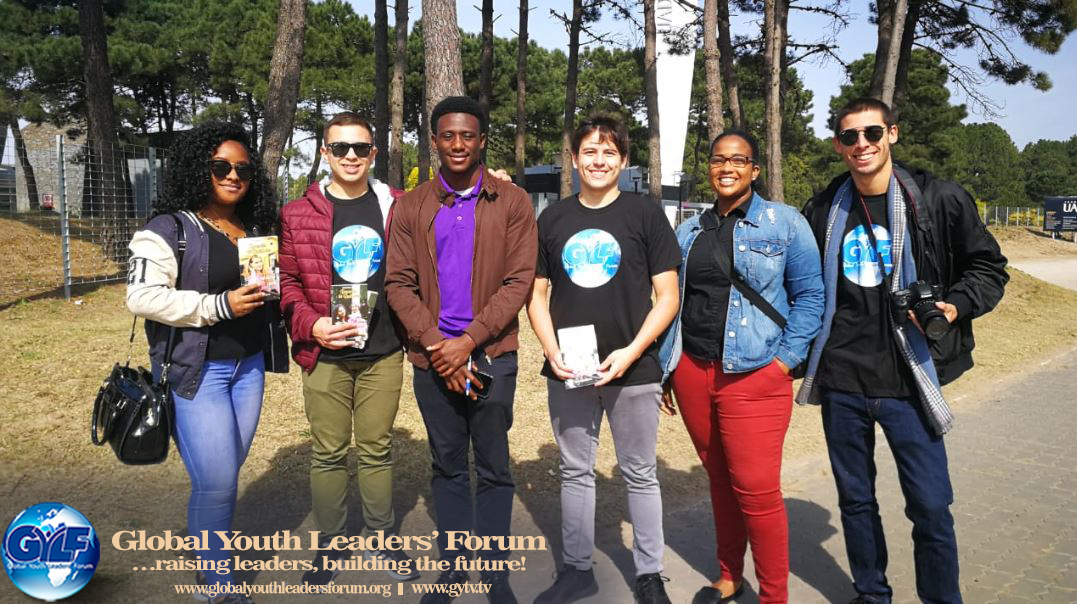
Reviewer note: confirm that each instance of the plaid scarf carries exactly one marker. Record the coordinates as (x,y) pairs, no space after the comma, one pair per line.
(911,343)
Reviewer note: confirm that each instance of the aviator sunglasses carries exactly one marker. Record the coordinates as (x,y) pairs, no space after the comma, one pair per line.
(221,169)
(341,149)
(873,134)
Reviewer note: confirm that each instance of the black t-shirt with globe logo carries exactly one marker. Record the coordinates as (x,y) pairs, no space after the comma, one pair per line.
(358,255)
(600,263)
(861,354)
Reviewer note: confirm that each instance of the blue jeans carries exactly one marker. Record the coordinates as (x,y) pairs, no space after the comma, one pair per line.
(920,455)
(213,433)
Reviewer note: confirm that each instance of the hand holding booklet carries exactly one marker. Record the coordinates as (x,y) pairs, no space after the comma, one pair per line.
(259,265)
(354,304)
(579,353)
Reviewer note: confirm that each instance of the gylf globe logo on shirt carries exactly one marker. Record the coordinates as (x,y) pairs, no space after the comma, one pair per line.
(357,253)
(591,257)
(859,262)
(50,551)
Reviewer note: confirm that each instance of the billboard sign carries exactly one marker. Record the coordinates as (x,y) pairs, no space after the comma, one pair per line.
(1060,214)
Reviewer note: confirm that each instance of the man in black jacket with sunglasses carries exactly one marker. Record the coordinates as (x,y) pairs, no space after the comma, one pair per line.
(885,232)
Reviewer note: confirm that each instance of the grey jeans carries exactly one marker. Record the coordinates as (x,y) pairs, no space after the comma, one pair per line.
(633,415)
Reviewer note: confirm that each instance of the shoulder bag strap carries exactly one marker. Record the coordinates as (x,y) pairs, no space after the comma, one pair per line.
(181,247)
(725,265)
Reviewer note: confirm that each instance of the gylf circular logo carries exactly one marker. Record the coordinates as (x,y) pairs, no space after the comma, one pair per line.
(591,257)
(50,551)
(357,253)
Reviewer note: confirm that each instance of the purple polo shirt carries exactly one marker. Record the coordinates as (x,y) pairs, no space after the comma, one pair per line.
(454,232)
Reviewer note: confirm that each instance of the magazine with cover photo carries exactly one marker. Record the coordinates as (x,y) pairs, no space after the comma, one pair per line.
(258,264)
(579,353)
(354,304)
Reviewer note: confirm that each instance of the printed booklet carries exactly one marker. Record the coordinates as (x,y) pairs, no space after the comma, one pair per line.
(579,353)
(354,304)
(258,264)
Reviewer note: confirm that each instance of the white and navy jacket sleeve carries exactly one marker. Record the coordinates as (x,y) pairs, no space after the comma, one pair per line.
(151,285)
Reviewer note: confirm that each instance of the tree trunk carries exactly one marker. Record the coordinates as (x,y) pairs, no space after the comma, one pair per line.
(105,191)
(282,93)
(901,79)
(775,17)
(885,25)
(396,103)
(312,175)
(486,56)
(729,72)
(901,9)
(254,116)
(650,76)
(521,96)
(424,140)
(4,120)
(711,63)
(570,97)
(441,44)
(381,92)
(24,163)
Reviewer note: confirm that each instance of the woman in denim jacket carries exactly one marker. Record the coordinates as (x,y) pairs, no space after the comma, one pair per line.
(728,363)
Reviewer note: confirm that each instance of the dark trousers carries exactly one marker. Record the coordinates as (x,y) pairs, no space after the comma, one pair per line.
(453,422)
(920,455)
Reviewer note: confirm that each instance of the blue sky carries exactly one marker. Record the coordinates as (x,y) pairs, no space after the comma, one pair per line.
(1027,114)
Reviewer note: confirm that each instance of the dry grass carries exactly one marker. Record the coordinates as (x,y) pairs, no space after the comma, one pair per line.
(54,353)
(33,258)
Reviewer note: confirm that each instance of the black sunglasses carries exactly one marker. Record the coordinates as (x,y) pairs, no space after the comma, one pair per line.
(220,169)
(341,149)
(873,134)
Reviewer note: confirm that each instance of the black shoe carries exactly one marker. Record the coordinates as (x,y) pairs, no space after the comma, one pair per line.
(860,600)
(399,566)
(448,577)
(318,575)
(650,589)
(569,585)
(500,590)
(710,595)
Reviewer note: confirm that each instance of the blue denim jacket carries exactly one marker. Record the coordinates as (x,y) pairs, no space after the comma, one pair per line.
(776,253)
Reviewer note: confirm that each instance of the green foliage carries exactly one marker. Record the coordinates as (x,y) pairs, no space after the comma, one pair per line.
(1050,168)
(988,165)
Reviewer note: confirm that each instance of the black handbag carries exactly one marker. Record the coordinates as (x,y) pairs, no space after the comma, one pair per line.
(133,412)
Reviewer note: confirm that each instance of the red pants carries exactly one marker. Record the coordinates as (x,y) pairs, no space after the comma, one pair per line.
(737,422)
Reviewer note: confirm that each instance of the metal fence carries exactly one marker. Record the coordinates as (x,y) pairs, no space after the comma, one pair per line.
(69,211)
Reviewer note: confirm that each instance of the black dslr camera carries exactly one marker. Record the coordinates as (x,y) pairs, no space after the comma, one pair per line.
(920,297)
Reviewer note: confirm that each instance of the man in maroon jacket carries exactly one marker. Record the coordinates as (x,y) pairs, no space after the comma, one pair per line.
(332,253)
(461,264)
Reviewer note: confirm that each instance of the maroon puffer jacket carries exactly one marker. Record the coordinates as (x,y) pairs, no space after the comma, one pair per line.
(306,264)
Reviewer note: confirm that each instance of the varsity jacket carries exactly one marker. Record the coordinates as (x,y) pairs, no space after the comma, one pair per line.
(306,264)
(951,247)
(502,272)
(152,294)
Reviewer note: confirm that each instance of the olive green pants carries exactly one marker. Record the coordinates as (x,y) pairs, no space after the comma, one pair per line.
(342,399)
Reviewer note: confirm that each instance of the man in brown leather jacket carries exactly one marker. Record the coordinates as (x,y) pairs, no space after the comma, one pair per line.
(460,265)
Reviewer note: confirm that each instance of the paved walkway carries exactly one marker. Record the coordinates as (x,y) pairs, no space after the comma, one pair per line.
(1012,464)
(1060,271)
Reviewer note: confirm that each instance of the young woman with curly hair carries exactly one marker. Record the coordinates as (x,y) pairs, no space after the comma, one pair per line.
(226,335)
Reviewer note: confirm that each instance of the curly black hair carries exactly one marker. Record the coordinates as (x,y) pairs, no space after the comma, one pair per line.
(187,178)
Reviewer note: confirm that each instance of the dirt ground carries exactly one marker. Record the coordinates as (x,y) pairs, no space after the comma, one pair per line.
(54,353)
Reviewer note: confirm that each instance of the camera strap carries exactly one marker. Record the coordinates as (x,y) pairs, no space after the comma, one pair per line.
(865,216)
